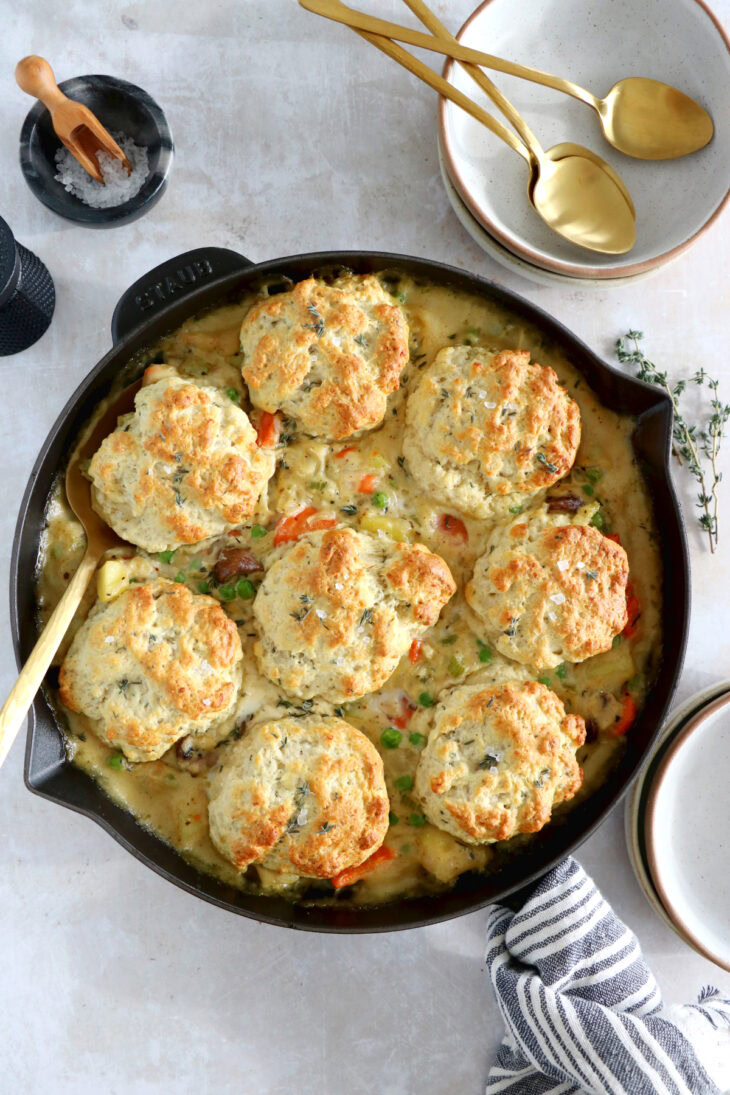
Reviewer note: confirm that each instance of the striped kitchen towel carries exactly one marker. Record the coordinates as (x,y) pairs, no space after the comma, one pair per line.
(582,1010)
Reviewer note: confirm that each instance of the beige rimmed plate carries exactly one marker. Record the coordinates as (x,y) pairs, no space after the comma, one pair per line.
(678,41)
(678,831)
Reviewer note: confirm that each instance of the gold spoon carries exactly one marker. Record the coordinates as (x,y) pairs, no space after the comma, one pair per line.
(643,118)
(575,195)
(558,151)
(99,538)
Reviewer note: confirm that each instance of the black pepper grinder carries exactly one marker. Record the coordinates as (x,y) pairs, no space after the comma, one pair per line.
(27,295)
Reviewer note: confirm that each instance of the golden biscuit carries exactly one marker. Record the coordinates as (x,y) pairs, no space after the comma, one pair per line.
(156,663)
(498,759)
(328,356)
(183,467)
(337,611)
(301,795)
(485,430)
(549,590)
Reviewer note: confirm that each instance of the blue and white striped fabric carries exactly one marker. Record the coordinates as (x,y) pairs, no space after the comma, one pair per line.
(582,1010)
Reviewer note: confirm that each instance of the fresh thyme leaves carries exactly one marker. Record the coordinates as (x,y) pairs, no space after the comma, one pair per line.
(489,762)
(542,459)
(350,509)
(692,442)
(318,325)
(366,617)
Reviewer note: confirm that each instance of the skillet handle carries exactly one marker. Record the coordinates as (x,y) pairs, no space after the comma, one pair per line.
(172,280)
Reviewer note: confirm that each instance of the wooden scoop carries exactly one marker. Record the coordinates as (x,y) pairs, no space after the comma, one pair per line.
(99,538)
(76,127)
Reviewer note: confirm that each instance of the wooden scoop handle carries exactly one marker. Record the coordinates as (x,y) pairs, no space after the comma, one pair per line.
(35,76)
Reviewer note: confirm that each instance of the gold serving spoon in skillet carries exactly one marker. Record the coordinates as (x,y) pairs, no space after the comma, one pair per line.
(99,538)
(577,194)
(643,118)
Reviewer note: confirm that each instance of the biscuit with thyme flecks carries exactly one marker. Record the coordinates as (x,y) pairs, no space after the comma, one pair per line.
(328,356)
(304,796)
(498,758)
(486,430)
(338,609)
(154,664)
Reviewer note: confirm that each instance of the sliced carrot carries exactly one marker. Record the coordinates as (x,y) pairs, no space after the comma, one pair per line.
(268,431)
(354,874)
(344,452)
(407,711)
(367,484)
(633,610)
(454,526)
(416,652)
(613,536)
(295,525)
(628,714)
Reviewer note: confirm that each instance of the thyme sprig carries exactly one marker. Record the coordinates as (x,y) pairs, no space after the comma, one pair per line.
(692,442)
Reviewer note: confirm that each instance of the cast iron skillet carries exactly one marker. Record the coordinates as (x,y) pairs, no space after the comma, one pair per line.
(158,303)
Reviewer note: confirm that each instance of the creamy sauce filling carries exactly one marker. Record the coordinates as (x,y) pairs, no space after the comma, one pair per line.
(169,796)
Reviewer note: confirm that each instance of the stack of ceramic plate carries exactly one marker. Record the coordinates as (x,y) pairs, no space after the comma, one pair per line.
(677,41)
(678,826)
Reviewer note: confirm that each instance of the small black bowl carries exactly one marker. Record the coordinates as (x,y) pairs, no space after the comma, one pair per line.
(120,107)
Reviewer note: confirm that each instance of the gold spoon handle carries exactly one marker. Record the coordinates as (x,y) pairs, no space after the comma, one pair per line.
(334,9)
(423,72)
(434,24)
(362,23)
(32,674)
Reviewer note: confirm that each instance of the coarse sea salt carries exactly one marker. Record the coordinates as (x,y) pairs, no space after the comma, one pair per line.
(118,187)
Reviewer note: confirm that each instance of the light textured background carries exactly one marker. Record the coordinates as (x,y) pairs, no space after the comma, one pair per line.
(292,135)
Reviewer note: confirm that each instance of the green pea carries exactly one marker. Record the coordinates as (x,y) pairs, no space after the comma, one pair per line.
(417,740)
(258,531)
(544,680)
(456,668)
(485,653)
(393,819)
(165,556)
(404,783)
(598,520)
(233,394)
(391,738)
(616,641)
(245,589)
(426,699)
(417,820)
(203,587)
(515,509)
(380,500)
(226,593)
(588,489)
(116,760)
(594,474)
(562,671)
(179,577)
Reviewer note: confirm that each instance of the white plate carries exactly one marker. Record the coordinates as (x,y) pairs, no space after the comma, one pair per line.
(634,812)
(506,258)
(595,44)
(687,830)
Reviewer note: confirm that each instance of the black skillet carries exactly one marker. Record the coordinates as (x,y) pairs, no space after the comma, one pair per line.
(158,303)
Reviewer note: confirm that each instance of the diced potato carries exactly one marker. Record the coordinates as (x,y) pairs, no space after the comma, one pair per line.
(585,514)
(393,527)
(443,856)
(377,460)
(112,579)
(275,881)
(608,671)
